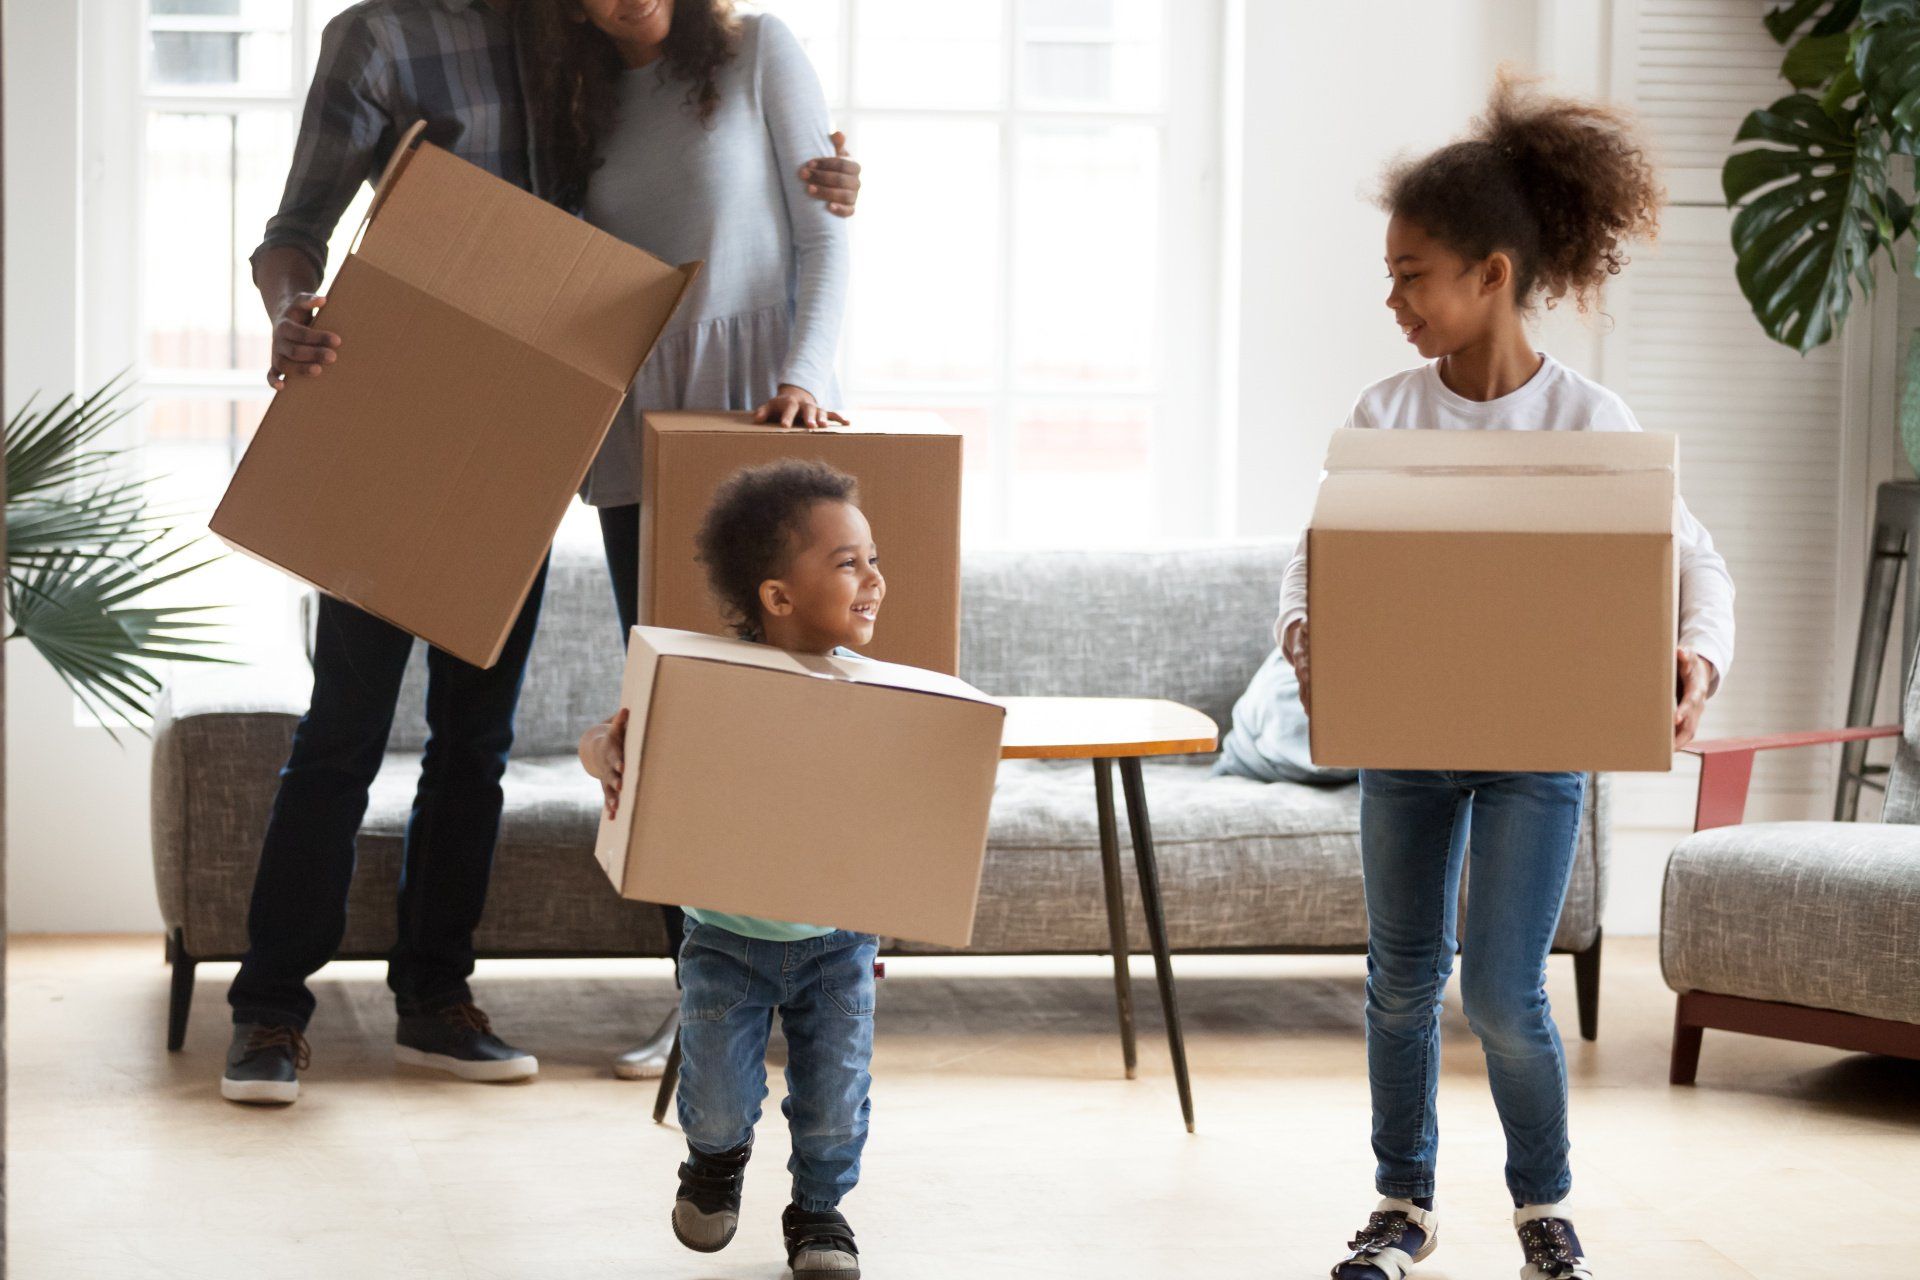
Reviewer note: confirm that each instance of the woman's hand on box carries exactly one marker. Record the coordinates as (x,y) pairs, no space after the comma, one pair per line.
(1294,649)
(603,753)
(1693,682)
(795,407)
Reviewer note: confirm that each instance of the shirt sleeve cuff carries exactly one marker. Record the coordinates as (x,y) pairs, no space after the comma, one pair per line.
(1713,651)
(1286,619)
(316,252)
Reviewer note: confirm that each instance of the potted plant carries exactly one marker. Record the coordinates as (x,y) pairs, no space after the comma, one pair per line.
(1814,183)
(84,547)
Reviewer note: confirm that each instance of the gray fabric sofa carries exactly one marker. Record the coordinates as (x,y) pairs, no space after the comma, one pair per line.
(1244,866)
(1796,930)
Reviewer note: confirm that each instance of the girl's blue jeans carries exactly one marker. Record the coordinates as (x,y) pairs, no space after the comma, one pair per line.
(730,986)
(1518,833)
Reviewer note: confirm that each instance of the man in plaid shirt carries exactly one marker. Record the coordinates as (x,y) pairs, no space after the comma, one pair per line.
(383,65)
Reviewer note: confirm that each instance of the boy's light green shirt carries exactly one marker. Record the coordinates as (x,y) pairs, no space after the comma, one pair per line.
(756,926)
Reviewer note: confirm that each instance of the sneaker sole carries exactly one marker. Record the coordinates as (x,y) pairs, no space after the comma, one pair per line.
(525,1067)
(702,1248)
(840,1273)
(651,1070)
(260,1092)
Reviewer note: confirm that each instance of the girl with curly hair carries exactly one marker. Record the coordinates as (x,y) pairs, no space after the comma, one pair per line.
(690,131)
(1535,206)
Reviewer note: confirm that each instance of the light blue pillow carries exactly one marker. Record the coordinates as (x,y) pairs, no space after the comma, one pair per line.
(1268,740)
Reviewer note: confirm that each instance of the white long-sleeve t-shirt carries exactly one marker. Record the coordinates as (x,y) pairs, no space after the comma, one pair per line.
(1554,399)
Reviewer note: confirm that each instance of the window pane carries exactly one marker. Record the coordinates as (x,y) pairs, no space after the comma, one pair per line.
(1091,53)
(929,53)
(927,260)
(188,455)
(212,181)
(1082,475)
(216,45)
(217,430)
(1086,255)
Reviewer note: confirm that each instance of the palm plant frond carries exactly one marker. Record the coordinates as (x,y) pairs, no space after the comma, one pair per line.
(84,548)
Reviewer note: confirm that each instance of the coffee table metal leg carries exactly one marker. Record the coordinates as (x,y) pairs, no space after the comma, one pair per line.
(1116,909)
(669,1080)
(1156,926)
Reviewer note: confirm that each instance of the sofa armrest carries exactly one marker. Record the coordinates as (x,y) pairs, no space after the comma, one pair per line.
(1726,767)
(220,735)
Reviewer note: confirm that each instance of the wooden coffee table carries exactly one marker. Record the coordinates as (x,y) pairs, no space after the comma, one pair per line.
(1103,730)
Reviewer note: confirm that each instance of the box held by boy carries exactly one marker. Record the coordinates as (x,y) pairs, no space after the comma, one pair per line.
(839,792)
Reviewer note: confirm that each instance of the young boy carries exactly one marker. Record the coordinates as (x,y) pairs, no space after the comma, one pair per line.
(792,561)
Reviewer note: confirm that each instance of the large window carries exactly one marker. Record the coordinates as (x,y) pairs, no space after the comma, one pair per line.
(221,83)
(1035,250)
(1037,247)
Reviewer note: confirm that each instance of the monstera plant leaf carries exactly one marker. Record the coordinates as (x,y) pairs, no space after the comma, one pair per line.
(1887,61)
(1816,207)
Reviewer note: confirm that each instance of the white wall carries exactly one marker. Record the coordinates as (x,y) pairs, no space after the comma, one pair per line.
(1331,97)
(77,803)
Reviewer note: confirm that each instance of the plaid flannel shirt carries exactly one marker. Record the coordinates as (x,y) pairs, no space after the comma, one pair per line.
(383,65)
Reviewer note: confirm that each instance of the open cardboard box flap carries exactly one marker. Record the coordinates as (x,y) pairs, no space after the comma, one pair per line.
(487,339)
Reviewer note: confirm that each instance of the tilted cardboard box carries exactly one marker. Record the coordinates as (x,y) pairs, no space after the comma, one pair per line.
(908,467)
(838,792)
(1494,600)
(487,339)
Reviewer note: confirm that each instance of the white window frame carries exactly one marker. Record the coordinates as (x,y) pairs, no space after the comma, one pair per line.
(117,102)
(1189,446)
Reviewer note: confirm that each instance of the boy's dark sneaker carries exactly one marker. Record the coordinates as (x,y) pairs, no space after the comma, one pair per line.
(820,1245)
(1552,1249)
(1398,1234)
(460,1041)
(264,1063)
(706,1211)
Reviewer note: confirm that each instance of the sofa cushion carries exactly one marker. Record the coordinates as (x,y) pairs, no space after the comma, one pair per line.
(548,893)
(1190,624)
(1243,864)
(1822,914)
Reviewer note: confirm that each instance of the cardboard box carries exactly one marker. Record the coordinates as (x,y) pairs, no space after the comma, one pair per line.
(1494,600)
(908,467)
(831,791)
(487,339)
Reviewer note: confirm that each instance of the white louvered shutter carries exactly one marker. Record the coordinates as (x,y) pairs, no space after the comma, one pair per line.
(1763,431)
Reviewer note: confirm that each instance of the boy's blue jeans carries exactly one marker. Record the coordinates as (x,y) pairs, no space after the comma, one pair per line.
(1414,840)
(823,987)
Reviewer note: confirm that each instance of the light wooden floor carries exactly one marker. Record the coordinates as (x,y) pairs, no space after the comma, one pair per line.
(1005,1141)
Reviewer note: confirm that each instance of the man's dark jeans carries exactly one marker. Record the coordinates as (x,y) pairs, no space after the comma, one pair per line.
(299,910)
